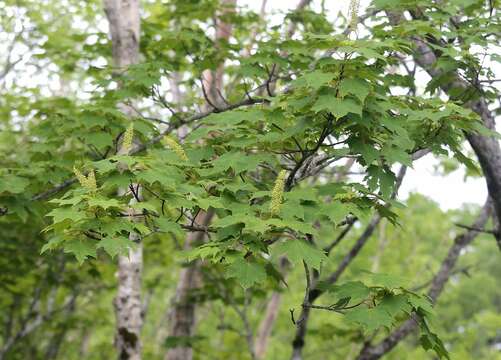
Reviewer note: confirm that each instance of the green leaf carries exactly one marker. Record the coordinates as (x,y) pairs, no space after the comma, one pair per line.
(356,87)
(371,319)
(68,201)
(66,213)
(336,106)
(388,281)
(430,341)
(368,151)
(169,226)
(13,184)
(114,246)
(394,154)
(52,244)
(309,194)
(382,178)
(303,227)
(292,210)
(238,161)
(395,304)
(299,250)
(421,303)
(316,79)
(82,249)
(251,223)
(206,251)
(168,176)
(214,202)
(355,290)
(100,139)
(336,211)
(246,272)
(105,203)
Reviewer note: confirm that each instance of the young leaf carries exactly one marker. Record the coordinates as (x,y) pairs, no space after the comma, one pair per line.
(246,272)
(299,250)
(82,249)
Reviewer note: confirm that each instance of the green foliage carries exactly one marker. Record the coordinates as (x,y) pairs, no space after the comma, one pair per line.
(267,163)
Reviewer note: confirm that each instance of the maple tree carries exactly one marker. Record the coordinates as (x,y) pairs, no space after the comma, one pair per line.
(214,144)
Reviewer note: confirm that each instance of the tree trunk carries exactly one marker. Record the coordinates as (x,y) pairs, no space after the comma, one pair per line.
(182,316)
(124,23)
(128,309)
(266,325)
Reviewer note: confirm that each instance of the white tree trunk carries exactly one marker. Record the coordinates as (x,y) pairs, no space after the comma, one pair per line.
(124,25)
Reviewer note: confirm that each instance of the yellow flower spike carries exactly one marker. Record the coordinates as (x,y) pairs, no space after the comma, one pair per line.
(127,139)
(88,182)
(91,181)
(277,193)
(178,149)
(353,14)
(80,177)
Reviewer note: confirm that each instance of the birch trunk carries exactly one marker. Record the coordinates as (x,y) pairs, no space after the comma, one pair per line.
(124,24)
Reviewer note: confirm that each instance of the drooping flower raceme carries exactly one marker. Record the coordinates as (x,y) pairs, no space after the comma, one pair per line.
(91,181)
(353,14)
(127,139)
(88,182)
(176,147)
(277,193)
(80,177)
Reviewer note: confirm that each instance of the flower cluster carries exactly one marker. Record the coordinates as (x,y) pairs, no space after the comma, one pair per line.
(353,14)
(277,193)
(88,182)
(178,149)
(127,139)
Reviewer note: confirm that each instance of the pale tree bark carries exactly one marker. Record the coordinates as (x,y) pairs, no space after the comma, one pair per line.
(373,352)
(266,326)
(182,315)
(124,25)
